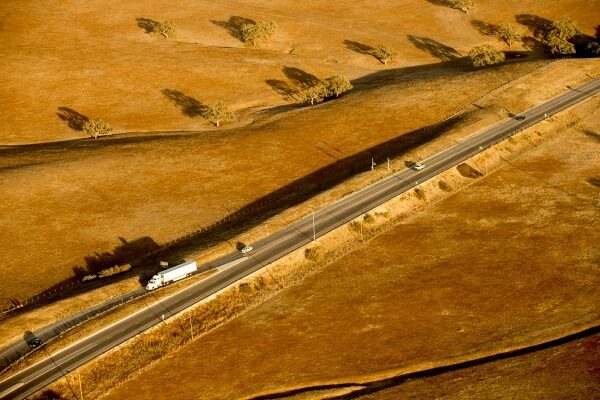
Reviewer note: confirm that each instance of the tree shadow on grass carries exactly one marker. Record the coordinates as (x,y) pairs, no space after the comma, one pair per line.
(300,78)
(592,134)
(537,25)
(234,26)
(125,253)
(146,24)
(435,48)
(281,87)
(359,47)
(73,119)
(189,106)
(485,28)
(594,181)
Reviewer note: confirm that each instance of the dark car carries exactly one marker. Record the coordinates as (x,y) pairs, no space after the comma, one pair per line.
(34,342)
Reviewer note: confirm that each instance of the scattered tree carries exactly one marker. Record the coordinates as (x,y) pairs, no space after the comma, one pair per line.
(384,54)
(332,86)
(315,93)
(593,48)
(252,32)
(565,27)
(96,127)
(166,28)
(218,112)
(509,34)
(462,5)
(336,85)
(485,55)
(558,37)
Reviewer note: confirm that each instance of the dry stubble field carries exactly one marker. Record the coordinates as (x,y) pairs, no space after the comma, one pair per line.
(509,260)
(63,202)
(571,371)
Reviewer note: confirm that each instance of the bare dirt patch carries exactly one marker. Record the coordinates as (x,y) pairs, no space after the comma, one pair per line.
(509,260)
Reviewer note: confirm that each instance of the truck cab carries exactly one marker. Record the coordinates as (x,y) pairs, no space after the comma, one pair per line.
(154,283)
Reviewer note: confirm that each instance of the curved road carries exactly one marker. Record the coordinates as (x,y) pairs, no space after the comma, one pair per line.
(232,267)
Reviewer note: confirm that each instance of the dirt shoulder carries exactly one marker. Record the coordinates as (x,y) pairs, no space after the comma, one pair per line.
(509,260)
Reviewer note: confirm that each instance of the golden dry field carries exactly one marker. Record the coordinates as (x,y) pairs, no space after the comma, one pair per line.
(70,203)
(509,261)
(570,371)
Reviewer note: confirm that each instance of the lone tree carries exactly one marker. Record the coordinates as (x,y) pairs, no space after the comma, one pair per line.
(508,34)
(96,127)
(166,28)
(462,5)
(484,55)
(336,85)
(217,112)
(252,32)
(558,37)
(384,54)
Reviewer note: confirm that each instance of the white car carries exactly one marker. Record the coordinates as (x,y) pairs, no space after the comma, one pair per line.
(418,166)
(246,249)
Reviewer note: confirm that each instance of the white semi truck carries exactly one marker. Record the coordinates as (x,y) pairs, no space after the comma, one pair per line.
(172,274)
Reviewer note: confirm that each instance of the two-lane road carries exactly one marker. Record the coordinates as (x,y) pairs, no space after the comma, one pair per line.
(275,246)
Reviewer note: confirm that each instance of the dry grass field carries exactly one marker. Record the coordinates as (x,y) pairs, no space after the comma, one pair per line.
(166,172)
(510,260)
(570,371)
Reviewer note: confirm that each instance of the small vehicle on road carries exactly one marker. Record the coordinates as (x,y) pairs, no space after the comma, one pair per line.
(247,249)
(418,166)
(34,342)
(520,117)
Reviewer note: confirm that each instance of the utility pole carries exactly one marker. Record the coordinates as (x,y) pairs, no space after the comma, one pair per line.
(314,232)
(372,164)
(191,327)
(388,164)
(80,388)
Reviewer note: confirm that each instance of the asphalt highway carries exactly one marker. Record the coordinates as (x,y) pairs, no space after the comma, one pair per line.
(234,267)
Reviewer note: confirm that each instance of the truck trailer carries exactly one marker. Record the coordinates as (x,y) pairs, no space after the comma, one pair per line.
(172,274)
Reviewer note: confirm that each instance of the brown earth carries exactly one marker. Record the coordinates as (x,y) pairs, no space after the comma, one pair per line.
(66,206)
(509,260)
